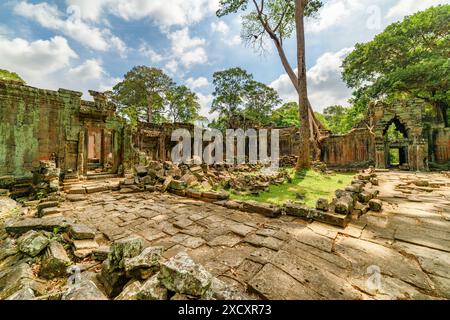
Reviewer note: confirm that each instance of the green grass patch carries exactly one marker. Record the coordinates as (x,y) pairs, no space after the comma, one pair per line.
(311,184)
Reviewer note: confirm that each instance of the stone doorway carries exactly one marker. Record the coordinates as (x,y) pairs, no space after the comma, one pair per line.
(99,151)
(396,144)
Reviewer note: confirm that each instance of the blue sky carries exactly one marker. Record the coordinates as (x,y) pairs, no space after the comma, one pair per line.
(91,44)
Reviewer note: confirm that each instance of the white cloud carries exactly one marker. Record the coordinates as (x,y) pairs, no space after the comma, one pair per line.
(234,41)
(197,83)
(172,66)
(407,7)
(165,13)
(147,51)
(89,70)
(120,46)
(35,59)
(71,25)
(325,86)
(188,50)
(220,27)
(50,64)
(205,104)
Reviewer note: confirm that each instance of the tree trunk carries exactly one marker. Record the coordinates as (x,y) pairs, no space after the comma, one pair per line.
(149,109)
(442,111)
(304,160)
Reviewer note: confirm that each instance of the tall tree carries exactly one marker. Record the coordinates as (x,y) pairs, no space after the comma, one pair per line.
(286,115)
(141,95)
(182,105)
(241,101)
(277,20)
(409,58)
(229,92)
(259,101)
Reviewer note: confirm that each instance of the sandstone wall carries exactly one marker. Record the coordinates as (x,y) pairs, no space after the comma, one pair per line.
(353,150)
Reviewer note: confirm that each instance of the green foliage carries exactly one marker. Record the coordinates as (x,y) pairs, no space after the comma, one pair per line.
(7,75)
(286,115)
(312,184)
(141,95)
(182,105)
(241,101)
(409,58)
(279,15)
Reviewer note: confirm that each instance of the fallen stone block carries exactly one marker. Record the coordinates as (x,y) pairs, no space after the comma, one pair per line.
(145,264)
(75,197)
(322,204)
(193,194)
(141,171)
(101,253)
(221,291)
(365,197)
(376,205)
(84,248)
(182,275)
(177,185)
(112,279)
(210,195)
(32,243)
(123,249)
(84,289)
(48,211)
(18,227)
(344,205)
(95,189)
(77,190)
(152,290)
(55,261)
(269,210)
(47,204)
(17,277)
(81,232)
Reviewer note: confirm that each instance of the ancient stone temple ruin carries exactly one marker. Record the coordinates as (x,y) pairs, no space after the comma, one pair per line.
(422,143)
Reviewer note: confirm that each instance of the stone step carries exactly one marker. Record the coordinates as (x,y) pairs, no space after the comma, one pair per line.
(102,176)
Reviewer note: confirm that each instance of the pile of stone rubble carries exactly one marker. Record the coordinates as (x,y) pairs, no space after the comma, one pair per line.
(187,180)
(54,258)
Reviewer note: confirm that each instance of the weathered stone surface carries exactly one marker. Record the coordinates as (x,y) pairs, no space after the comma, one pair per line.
(48,211)
(130,291)
(261,241)
(75,197)
(216,195)
(84,289)
(48,224)
(101,253)
(55,261)
(322,204)
(177,185)
(47,204)
(144,265)
(81,232)
(182,275)
(26,293)
(266,209)
(227,240)
(219,290)
(344,205)
(272,283)
(112,279)
(376,205)
(32,243)
(365,197)
(15,278)
(152,290)
(123,249)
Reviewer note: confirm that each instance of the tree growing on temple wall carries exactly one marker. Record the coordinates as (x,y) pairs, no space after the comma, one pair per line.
(7,75)
(409,59)
(278,20)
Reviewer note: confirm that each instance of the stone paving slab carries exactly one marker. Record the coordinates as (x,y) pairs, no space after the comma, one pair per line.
(290,258)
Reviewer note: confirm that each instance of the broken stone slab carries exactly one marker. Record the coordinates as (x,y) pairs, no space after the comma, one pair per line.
(305,212)
(152,290)
(24,294)
(48,211)
(98,188)
(130,291)
(269,210)
(182,275)
(17,277)
(365,197)
(19,227)
(76,190)
(298,210)
(84,289)
(8,248)
(374,181)
(177,185)
(145,264)
(322,204)
(193,194)
(32,243)
(112,279)
(141,171)
(47,204)
(210,195)
(81,232)
(101,253)
(376,205)
(55,261)
(219,290)
(75,197)
(344,205)
(123,249)
(84,248)
(166,184)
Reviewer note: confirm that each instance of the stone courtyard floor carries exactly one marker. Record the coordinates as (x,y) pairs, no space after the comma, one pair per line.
(289,258)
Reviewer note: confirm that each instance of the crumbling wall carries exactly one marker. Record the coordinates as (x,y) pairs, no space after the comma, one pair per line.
(35,125)
(353,150)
